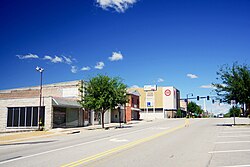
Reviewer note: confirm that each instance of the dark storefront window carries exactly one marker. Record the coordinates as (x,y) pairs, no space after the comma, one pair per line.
(10,117)
(24,116)
(59,117)
(35,116)
(16,116)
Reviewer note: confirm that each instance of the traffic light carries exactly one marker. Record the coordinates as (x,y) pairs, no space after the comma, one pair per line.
(213,101)
(198,98)
(220,100)
(207,97)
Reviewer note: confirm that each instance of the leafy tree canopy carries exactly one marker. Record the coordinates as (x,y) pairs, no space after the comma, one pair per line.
(194,108)
(102,93)
(235,84)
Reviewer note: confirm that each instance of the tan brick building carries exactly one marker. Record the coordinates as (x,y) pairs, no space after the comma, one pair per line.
(162,103)
(19,108)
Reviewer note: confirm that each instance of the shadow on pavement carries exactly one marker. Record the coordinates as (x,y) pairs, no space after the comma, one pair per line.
(22,143)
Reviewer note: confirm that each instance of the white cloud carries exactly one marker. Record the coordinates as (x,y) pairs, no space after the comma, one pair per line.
(67,60)
(192,76)
(160,80)
(99,65)
(85,68)
(28,56)
(56,59)
(207,86)
(116,56)
(119,5)
(47,58)
(135,86)
(74,69)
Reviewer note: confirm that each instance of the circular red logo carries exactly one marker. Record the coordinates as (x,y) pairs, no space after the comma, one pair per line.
(167,92)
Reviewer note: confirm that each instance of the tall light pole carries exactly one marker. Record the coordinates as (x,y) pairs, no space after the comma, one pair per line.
(39,69)
(187,100)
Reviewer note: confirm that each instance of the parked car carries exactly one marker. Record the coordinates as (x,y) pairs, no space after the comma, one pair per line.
(220,115)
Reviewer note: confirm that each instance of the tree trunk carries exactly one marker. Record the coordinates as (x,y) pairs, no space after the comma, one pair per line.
(102,119)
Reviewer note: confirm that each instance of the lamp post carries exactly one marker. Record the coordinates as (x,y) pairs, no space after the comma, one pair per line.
(39,69)
(187,101)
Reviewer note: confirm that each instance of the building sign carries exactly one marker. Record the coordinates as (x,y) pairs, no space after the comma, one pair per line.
(150,87)
(167,92)
(150,99)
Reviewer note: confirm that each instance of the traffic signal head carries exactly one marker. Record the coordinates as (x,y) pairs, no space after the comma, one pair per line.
(207,97)
(213,101)
(220,100)
(198,97)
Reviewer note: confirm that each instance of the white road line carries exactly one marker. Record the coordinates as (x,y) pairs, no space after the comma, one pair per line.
(236,136)
(76,145)
(237,166)
(118,140)
(231,142)
(237,132)
(228,151)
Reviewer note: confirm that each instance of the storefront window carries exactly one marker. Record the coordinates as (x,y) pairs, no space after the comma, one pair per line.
(24,116)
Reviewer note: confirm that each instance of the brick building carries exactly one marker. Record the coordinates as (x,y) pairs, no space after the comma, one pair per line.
(131,111)
(19,108)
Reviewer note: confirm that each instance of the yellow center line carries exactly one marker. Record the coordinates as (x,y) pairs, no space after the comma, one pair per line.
(123,147)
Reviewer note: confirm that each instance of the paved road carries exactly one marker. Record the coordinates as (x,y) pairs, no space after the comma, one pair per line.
(171,142)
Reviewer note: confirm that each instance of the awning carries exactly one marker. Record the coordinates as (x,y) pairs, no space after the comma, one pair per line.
(64,102)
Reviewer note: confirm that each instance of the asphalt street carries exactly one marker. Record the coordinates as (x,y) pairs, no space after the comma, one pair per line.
(170,142)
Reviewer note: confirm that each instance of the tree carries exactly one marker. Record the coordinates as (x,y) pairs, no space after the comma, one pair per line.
(178,113)
(102,93)
(235,84)
(234,111)
(194,109)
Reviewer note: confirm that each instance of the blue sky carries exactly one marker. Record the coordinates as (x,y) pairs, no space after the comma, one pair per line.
(142,41)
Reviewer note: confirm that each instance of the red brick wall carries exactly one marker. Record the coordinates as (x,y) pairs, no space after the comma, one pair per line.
(128,114)
(130,104)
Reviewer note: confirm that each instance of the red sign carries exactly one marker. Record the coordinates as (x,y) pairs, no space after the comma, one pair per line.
(167,92)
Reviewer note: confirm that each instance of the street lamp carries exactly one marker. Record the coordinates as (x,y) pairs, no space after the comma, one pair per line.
(187,101)
(39,69)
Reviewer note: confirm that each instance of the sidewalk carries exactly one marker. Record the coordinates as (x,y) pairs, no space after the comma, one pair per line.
(6,138)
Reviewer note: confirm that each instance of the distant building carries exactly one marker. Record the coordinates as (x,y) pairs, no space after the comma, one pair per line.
(131,111)
(162,103)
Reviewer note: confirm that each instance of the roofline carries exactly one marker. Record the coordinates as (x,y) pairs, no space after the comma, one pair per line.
(38,87)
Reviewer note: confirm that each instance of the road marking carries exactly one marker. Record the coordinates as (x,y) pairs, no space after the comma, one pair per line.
(118,140)
(237,132)
(236,136)
(237,166)
(120,148)
(228,151)
(231,142)
(72,146)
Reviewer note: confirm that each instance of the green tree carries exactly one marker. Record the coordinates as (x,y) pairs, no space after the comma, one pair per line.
(102,93)
(234,111)
(235,83)
(194,109)
(179,114)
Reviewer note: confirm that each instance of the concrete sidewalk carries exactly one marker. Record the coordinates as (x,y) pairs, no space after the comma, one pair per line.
(6,138)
